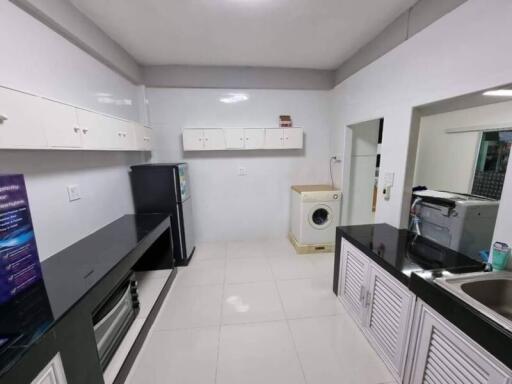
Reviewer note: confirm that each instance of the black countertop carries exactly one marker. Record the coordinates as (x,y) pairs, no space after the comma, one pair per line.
(67,277)
(402,252)
(416,262)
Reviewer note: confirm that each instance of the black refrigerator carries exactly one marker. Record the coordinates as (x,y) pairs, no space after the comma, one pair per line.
(165,188)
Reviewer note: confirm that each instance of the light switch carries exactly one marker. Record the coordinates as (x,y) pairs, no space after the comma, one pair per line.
(74,192)
(389,179)
(242,171)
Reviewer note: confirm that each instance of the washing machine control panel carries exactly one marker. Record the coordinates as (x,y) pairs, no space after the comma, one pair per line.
(321,196)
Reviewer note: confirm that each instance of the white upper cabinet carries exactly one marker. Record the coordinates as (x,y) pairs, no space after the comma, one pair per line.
(254,138)
(234,138)
(33,122)
(143,137)
(293,138)
(215,139)
(20,120)
(60,124)
(210,139)
(94,134)
(284,138)
(274,138)
(193,140)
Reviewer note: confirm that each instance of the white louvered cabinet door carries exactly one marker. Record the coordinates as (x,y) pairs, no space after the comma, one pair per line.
(443,356)
(354,273)
(388,318)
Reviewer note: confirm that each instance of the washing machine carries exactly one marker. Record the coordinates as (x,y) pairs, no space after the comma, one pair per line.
(314,216)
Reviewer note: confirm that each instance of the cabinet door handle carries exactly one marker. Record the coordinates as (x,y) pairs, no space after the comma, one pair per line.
(85,130)
(361,294)
(3,118)
(368,299)
(76,129)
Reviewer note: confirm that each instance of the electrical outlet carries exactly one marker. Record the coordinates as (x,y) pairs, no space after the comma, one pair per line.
(74,192)
(242,171)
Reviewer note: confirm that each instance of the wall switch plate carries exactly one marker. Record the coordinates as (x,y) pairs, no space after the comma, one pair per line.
(389,179)
(242,171)
(74,192)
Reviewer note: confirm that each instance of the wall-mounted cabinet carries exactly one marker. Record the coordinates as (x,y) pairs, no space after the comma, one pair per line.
(215,139)
(32,122)
(204,139)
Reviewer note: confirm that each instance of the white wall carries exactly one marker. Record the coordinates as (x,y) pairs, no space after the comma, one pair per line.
(232,207)
(37,60)
(462,52)
(447,160)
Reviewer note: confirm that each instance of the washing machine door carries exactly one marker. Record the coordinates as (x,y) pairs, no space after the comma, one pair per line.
(320,216)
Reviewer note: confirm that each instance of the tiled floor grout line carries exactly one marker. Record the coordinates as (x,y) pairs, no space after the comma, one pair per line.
(289,328)
(215,379)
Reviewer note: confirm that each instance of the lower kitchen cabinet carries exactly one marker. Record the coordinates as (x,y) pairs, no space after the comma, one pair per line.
(389,311)
(382,306)
(440,353)
(53,373)
(354,276)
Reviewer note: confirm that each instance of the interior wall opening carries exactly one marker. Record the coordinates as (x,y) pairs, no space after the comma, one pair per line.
(365,160)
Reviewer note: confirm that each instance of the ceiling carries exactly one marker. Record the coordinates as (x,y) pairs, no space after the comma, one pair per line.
(318,34)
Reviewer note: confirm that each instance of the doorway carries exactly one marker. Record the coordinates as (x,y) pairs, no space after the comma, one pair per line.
(365,162)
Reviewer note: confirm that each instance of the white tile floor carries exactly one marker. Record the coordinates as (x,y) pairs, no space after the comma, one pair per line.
(256,312)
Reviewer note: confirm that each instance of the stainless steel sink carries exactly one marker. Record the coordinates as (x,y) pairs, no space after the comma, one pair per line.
(489,292)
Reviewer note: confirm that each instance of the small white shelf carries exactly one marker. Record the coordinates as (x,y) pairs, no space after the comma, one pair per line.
(228,139)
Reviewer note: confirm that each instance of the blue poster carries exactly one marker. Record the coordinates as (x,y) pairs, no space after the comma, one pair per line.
(19,260)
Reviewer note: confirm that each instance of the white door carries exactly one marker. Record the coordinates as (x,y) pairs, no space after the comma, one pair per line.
(193,139)
(293,138)
(353,277)
(95,133)
(20,120)
(60,125)
(53,373)
(234,138)
(274,138)
(443,356)
(389,313)
(254,138)
(214,139)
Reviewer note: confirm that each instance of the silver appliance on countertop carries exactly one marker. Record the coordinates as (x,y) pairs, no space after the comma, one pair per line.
(462,222)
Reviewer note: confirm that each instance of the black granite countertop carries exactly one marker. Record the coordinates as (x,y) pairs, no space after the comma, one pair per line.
(67,277)
(402,252)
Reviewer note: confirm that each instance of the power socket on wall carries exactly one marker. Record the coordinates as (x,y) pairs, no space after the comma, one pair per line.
(242,171)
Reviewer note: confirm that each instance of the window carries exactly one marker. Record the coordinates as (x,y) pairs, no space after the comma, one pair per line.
(492,163)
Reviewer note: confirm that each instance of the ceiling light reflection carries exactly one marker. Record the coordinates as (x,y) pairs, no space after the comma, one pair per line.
(234,98)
